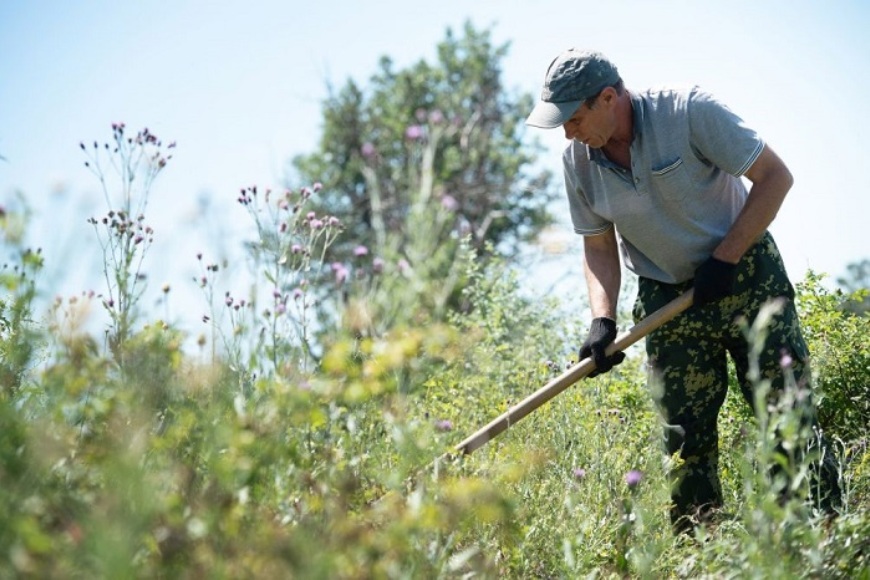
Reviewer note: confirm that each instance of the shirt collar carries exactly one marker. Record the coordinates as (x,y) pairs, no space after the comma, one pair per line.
(597,155)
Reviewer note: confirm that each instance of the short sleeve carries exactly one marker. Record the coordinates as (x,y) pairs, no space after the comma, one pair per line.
(585,221)
(719,136)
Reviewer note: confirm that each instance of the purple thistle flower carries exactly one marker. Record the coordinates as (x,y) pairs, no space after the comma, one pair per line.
(444,425)
(297,294)
(436,117)
(280,309)
(786,360)
(414,132)
(341,275)
(296,248)
(316,224)
(579,473)
(317,186)
(333,221)
(403,265)
(633,478)
(449,203)
(378,265)
(360,251)
(310,215)
(368,150)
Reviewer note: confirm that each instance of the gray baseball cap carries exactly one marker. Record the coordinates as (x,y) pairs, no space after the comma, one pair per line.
(573,76)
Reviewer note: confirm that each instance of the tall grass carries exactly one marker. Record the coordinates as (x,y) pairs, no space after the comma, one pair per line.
(309,450)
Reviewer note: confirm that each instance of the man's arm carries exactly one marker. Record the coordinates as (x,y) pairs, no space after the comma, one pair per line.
(771,181)
(603,275)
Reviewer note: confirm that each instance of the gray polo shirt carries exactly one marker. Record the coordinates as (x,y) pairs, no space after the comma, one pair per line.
(683,191)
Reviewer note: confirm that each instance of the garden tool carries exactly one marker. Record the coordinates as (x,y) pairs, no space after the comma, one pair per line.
(557,385)
(574,373)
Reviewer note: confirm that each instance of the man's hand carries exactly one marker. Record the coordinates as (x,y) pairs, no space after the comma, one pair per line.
(714,280)
(602,332)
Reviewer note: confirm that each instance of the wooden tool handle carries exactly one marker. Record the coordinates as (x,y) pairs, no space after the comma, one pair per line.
(572,375)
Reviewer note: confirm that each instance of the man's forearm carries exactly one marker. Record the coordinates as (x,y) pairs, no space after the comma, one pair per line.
(603,275)
(771,181)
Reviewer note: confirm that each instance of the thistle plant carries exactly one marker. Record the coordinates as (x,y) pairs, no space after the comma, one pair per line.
(288,254)
(18,287)
(126,169)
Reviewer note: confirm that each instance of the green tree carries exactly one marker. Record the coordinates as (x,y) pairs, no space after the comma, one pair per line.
(436,137)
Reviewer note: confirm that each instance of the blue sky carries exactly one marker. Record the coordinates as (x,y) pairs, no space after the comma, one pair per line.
(238,86)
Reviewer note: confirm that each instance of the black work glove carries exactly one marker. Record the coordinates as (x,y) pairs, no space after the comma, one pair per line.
(602,332)
(714,280)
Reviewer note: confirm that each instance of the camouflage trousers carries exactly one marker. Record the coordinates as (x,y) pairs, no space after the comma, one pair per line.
(689,372)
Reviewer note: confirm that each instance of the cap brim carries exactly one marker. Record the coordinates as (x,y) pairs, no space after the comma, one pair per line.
(551,115)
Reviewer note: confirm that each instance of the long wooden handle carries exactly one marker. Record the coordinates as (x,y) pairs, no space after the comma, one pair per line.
(572,375)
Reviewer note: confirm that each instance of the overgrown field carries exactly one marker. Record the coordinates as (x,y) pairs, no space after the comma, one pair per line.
(307,434)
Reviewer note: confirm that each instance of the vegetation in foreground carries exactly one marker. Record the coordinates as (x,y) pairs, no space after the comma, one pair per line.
(306,434)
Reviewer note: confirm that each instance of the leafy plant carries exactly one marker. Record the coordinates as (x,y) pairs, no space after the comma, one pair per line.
(837,337)
(19,335)
(446,133)
(324,447)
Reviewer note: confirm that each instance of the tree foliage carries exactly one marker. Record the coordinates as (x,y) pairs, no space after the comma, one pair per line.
(447,135)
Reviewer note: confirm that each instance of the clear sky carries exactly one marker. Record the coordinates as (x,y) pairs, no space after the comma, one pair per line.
(238,85)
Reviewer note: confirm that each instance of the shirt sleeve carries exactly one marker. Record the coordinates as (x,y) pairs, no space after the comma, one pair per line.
(719,136)
(585,221)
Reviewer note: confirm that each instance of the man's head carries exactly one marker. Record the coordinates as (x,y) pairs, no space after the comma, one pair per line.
(572,78)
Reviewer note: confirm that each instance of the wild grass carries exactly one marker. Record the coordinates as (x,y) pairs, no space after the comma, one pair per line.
(305,449)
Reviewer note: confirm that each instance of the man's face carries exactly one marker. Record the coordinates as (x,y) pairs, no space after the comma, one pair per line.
(591,126)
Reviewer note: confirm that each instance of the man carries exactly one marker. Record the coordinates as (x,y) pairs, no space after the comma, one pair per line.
(656,177)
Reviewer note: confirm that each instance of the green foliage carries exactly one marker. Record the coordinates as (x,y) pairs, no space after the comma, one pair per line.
(149,461)
(267,330)
(19,335)
(837,334)
(167,469)
(446,133)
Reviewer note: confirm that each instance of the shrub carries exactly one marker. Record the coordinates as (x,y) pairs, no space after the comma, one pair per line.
(837,336)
